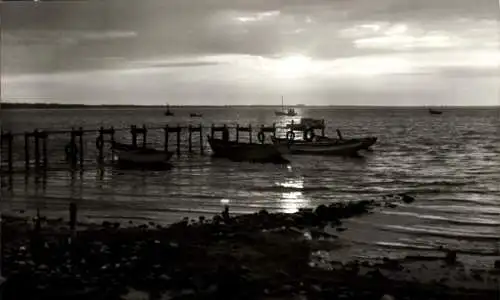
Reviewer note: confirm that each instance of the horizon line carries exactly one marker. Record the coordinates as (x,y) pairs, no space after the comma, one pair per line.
(62,105)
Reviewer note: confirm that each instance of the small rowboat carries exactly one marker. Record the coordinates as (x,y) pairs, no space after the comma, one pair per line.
(434,112)
(132,157)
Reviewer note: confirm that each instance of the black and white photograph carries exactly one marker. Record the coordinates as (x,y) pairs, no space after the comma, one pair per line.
(250,149)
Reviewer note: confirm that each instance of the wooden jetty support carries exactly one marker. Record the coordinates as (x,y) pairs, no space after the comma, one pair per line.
(41,149)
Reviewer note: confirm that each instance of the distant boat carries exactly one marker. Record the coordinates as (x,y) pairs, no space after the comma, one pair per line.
(434,112)
(168,112)
(195,115)
(290,112)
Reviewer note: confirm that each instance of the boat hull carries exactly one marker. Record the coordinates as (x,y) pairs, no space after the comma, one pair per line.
(366,142)
(340,148)
(279,113)
(246,152)
(144,158)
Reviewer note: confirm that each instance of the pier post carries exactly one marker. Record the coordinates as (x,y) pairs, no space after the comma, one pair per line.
(274,129)
(166,138)
(37,148)
(44,137)
(237,132)
(133,131)
(144,135)
(190,135)
(178,140)
(112,138)
(100,145)
(212,131)
(10,162)
(250,133)
(27,151)
(80,133)
(73,148)
(201,139)
(339,134)
(2,142)
(323,127)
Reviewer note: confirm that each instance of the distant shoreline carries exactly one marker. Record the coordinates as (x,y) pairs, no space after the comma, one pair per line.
(7,106)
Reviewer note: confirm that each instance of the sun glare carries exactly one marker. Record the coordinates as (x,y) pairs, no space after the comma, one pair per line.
(293,66)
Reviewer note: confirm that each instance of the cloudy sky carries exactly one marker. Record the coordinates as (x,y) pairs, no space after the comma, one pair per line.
(325,52)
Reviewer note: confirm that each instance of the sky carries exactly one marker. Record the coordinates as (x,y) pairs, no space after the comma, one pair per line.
(220,52)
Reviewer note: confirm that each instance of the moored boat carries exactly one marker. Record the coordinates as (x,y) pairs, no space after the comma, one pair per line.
(130,156)
(366,142)
(123,147)
(144,158)
(194,115)
(315,147)
(238,151)
(434,112)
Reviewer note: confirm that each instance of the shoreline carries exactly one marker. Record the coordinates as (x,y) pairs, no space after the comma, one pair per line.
(265,255)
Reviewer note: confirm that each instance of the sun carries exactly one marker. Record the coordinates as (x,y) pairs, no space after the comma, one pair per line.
(293,66)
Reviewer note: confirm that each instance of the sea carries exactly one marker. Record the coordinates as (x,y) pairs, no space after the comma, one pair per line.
(450,163)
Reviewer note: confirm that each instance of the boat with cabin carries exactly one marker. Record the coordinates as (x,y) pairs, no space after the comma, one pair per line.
(316,147)
(310,143)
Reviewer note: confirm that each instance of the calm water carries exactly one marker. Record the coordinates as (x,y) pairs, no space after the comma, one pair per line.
(450,163)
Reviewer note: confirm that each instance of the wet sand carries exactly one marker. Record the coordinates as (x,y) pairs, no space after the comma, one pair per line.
(252,256)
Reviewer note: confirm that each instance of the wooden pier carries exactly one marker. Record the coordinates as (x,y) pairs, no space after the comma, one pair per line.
(78,147)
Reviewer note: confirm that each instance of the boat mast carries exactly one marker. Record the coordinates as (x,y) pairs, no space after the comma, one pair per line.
(282,106)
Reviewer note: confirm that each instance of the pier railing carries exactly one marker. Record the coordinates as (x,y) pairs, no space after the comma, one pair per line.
(39,149)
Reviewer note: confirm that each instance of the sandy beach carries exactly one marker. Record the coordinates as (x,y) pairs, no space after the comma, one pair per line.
(253,256)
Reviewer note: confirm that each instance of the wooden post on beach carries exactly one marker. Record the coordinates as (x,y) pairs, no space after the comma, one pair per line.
(27,151)
(166,137)
(73,210)
(237,132)
(133,131)
(100,145)
(190,135)
(178,140)
(250,133)
(144,135)
(80,134)
(37,148)
(201,139)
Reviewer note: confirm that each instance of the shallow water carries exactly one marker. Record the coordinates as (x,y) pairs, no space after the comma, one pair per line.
(450,163)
